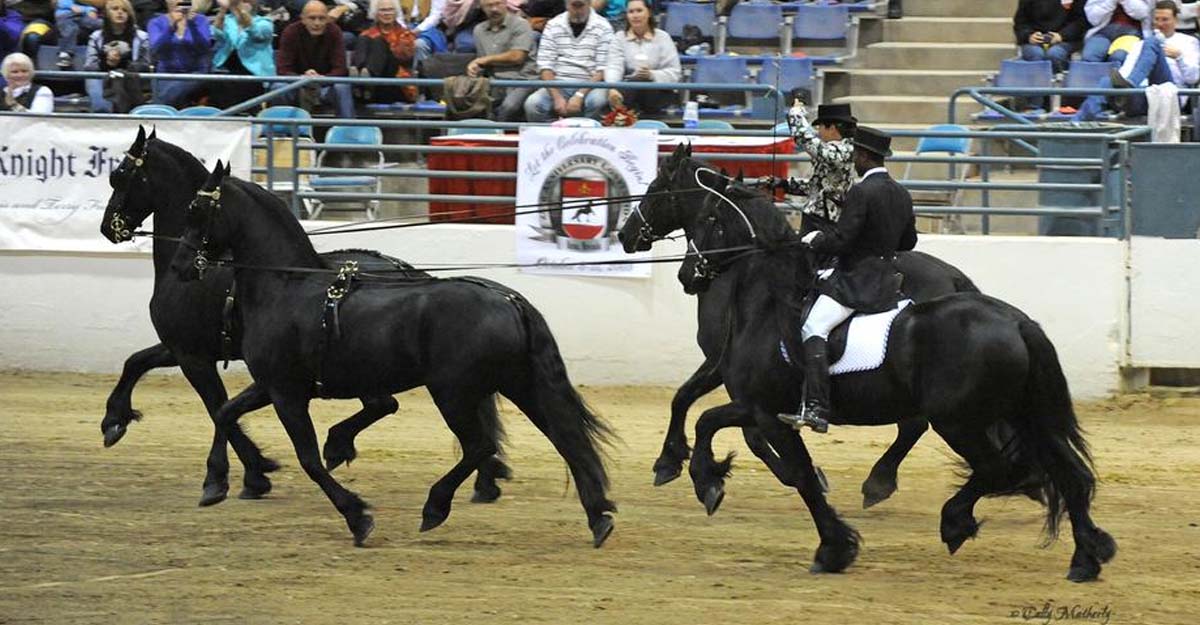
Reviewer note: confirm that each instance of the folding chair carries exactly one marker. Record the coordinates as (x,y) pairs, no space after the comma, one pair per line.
(349,135)
(950,146)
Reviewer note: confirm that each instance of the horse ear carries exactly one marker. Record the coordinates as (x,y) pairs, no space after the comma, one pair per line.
(140,140)
(679,150)
(688,151)
(153,132)
(218,170)
(228,168)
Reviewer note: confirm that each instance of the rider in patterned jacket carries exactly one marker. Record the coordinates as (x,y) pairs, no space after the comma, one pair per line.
(831,147)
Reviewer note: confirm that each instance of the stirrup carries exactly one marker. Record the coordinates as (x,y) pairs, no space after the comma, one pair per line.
(805,418)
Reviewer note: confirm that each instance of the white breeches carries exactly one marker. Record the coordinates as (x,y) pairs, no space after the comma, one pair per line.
(825,315)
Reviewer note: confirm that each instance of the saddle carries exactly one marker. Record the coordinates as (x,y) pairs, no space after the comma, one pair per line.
(858,343)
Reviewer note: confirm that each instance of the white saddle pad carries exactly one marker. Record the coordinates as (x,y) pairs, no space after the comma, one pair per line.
(866,344)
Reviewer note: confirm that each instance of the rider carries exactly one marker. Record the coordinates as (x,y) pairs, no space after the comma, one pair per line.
(830,145)
(876,222)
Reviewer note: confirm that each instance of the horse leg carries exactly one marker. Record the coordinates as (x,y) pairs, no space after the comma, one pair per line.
(292,408)
(990,472)
(574,436)
(339,441)
(461,412)
(255,483)
(202,375)
(1093,546)
(881,483)
(492,468)
(708,475)
(675,446)
(839,541)
(119,408)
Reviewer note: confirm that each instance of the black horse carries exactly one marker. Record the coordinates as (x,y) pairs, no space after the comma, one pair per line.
(197,331)
(673,200)
(982,372)
(464,339)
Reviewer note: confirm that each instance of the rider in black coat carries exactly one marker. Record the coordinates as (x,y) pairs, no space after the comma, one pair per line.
(876,222)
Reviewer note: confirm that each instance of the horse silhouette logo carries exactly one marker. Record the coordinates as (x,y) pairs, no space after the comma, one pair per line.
(584,214)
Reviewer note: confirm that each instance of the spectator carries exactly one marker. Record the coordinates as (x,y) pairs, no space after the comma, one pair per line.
(146,10)
(10,29)
(613,11)
(385,50)
(1110,20)
(1188,11)
(504,45)
(1049,29)
(21,94)
(35,23)
(71,16)
(538,12)
(425,17)
(314,47)
(574,46)
(179,44)
(118,45)
(1165,56)
(642,53)
(243,48)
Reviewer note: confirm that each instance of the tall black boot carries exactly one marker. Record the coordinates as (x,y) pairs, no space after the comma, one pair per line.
(895,10)
(816,411)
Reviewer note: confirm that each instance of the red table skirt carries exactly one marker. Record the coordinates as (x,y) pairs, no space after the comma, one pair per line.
(502,213)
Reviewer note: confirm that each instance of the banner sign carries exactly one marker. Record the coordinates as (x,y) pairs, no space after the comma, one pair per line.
(54,173)
(570,174)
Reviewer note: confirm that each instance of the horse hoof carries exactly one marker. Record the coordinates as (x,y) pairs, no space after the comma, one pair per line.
(713,498)
(604,526)
(817,568)
(254,492)
(953,544)
(486,495)
(363,529)
(113,435)
(663,475)
(1080,574)
(214,494)
(431,519)
(875,492)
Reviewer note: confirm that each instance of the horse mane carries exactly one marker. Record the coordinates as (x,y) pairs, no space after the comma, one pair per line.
(770,225)
(279,211)
(191,165)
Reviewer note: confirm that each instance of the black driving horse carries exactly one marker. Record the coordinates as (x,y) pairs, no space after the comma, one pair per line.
(464,339)
(674,199)
(982,372)
(197,330)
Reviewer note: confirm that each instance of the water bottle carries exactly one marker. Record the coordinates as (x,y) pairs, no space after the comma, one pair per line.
(691,115)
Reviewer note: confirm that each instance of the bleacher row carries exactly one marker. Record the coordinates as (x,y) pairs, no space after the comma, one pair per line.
(1015,73)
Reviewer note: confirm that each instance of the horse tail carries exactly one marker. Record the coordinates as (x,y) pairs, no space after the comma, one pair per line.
(576,431)
(1049,432)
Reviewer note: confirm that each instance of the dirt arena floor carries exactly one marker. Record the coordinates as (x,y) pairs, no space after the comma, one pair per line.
(94,535)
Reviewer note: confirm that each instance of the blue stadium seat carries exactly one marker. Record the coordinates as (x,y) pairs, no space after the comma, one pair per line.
(1016,73)
(284,130)
(458,130)
(151,110)
(651,123)
(1082,74)
(756,22)
(823,22)
(200,111)
(464,41)
(723,70)
(351,135)
(680,14)
(714,124)
(786,74)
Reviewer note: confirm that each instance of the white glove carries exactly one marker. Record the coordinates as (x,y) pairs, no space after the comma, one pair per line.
(797,115)
(808,238)
(825,273)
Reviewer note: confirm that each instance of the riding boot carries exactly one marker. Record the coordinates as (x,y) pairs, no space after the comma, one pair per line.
(895,10)
(815,412)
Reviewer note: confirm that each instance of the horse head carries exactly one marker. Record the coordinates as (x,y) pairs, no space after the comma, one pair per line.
(206,233)
(131,200)
(656,215)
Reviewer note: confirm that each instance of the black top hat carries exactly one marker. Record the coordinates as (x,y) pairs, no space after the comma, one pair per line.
(873,140)
(831,113)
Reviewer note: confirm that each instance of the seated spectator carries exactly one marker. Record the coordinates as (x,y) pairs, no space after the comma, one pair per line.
(71,16)
(35,25)
(504,48)
(642,53)
(613,11)
(385,50)
(179,44)
(314,47)
(1050,29)
(574,46)
(243,48)
(10,29)
(1166,56)
(1112,19)
(538,12)
(118,45)
(146,10)
(424,18)
(21,94)
(1188,11)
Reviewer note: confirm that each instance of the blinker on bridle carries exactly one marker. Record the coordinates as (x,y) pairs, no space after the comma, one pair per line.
(117,223)
(201,262)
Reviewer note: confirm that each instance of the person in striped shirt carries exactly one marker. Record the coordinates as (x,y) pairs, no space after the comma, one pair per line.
(574,47)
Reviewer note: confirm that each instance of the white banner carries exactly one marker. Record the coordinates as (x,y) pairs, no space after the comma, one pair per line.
(54,173)
(573,171)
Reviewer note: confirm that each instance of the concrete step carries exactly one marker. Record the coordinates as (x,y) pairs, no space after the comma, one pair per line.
(959,8)
(931,56)
(950,29)
(877,110)
(900,82)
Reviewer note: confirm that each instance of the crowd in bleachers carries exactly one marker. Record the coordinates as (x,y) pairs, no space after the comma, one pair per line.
(1104,43)
(592,40)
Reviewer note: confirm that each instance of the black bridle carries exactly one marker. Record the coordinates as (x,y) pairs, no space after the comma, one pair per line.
(120,179)
(213,198)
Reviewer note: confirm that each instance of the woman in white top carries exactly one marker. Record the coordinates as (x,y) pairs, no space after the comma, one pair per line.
(642,53)
(21,94)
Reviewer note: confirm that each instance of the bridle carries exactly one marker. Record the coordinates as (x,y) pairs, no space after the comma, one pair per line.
(201,261)
(120,178)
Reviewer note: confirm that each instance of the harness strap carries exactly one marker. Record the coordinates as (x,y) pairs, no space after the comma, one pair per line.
(330,319)
(227,325)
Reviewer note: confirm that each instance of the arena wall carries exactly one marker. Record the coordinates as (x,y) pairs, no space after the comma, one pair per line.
(81,312)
